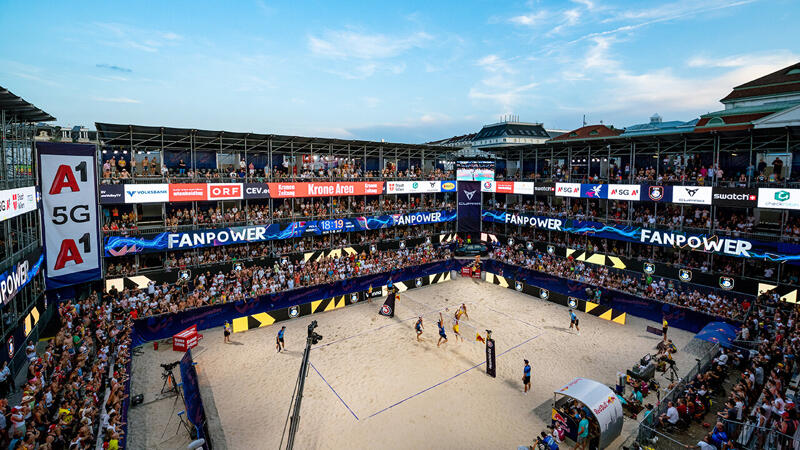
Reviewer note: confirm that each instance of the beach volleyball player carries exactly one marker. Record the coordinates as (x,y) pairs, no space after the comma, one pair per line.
(442,334)
(418,327)
(573,321)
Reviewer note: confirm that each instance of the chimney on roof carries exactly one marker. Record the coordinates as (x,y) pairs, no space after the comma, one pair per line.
(655,118)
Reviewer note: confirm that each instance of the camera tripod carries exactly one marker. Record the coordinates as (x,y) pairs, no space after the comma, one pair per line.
(671,374)
(170,385)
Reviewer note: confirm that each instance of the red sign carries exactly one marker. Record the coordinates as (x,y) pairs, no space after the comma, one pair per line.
(504,187)
(289,190)
(187,192)
(225,191)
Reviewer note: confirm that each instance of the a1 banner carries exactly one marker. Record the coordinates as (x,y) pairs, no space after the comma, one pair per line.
(388,306)
(69,213)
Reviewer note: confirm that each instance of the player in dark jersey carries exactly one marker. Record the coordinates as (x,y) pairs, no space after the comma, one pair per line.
(442,335)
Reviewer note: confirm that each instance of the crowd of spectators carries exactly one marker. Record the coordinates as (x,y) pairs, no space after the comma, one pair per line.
(250,281)
(63,402)
(671,169)
(758,379)
(704,300)
(121,168)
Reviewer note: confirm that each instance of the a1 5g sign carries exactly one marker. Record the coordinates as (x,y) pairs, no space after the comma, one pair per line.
(69,210)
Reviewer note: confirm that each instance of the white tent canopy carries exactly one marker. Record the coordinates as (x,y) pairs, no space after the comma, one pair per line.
(603,403)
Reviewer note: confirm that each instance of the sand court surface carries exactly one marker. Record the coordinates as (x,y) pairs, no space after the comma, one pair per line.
(372,385)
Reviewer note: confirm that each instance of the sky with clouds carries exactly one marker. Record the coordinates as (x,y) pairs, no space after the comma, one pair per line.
(409,71)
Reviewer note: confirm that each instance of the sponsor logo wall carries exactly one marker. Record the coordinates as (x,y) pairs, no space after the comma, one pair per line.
(188,192)
(413,187)
(120,245)
(14,202)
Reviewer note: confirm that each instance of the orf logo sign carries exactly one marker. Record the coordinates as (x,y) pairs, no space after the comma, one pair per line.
(225,191)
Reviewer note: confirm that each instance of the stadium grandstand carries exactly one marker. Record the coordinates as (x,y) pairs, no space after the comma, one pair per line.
(132,253)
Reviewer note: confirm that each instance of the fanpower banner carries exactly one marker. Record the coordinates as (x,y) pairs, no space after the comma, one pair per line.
(122,245)
(725,245)
(69,213)
(19,275)
(111,194)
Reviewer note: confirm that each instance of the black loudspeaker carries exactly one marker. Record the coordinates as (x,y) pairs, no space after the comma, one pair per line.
(137,399)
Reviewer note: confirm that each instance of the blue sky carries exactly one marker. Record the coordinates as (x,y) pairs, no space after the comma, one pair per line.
(400,71)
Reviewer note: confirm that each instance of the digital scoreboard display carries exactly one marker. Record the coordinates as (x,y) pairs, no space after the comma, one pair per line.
(475,170)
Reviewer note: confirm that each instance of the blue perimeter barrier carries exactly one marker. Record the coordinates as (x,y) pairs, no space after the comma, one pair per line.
(677,316)
(192,400)
(167,325)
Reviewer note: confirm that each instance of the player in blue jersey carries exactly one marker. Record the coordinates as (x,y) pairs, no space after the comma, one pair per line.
(279,340)
(573,321)
(442,334)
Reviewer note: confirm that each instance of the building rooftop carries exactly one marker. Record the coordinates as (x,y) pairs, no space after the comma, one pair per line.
(512,129)
(589,132)
(784,81)
(658,126)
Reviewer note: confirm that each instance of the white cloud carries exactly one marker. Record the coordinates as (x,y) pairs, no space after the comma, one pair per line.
(125,36)
(115,100)
(493,63)
(529,19)
(346,44)
(502,85)
(778,58)
(371,102)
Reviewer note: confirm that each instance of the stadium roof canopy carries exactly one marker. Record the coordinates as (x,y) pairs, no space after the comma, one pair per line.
(227,141)
(20,109)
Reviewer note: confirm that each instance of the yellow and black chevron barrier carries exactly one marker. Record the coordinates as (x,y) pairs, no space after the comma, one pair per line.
(329,304)
(595,309)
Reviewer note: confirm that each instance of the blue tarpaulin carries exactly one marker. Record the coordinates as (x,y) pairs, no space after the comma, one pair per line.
(719,333)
